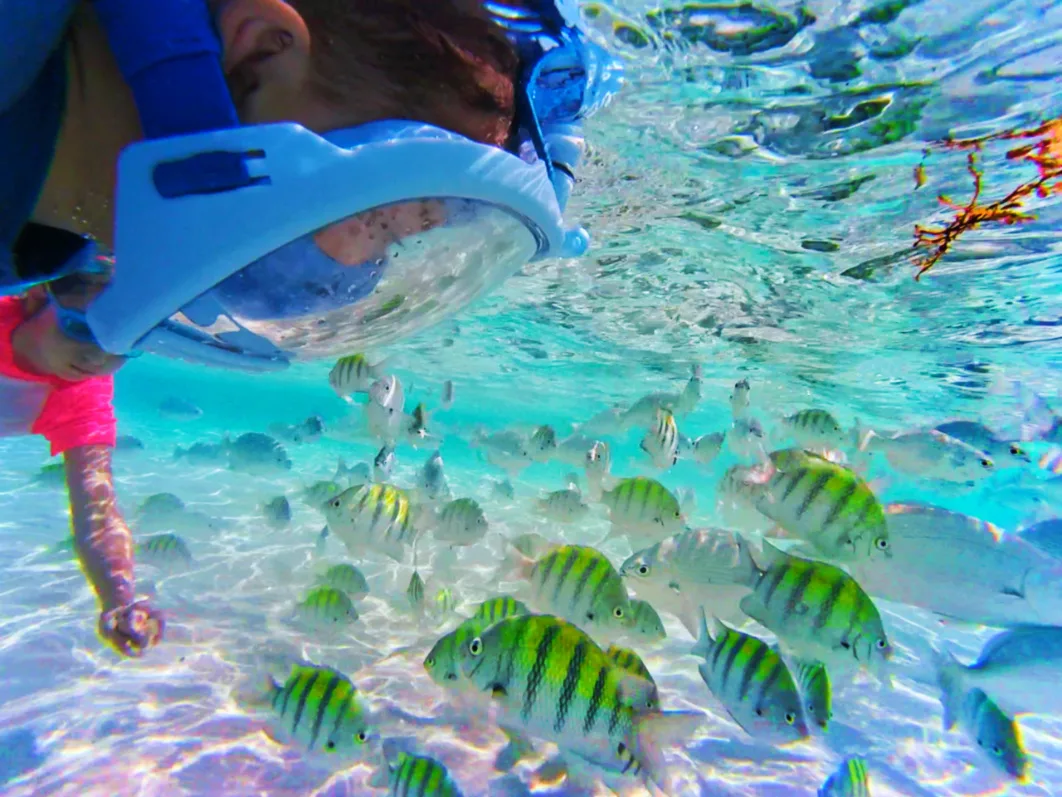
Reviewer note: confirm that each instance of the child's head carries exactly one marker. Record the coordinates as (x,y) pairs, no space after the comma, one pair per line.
(337,63)
(50,339)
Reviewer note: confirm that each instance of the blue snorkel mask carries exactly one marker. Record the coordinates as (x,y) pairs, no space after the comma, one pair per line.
(249,247)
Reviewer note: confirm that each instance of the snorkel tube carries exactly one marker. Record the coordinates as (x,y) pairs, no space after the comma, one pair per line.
(203,199)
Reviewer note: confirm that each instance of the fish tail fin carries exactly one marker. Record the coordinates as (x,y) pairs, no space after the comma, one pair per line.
(746,571)
(319,545)
(515,563)
(861,436)
(178,452)
(949,678)
(519,747)
(654,732)
(257,695)
(595,487)
(705,636)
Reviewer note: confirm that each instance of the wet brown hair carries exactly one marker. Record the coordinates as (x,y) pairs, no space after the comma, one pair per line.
(443,62)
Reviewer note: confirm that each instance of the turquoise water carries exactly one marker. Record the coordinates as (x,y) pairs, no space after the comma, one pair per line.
(752,204)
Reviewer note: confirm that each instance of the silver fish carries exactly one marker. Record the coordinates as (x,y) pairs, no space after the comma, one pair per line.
(431,484)
(689,571)
(1003,580)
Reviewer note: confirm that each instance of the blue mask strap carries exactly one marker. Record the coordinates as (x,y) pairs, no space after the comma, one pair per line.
(171,58)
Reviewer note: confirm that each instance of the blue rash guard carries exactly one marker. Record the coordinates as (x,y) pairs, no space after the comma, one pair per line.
(32,97)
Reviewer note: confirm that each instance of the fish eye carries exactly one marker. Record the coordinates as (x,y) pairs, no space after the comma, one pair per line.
(451,676)
(986,463)
(330,745)
(475,647)
(618,612)
(882,544)
(790,718)
(429,662)
(643,570)
(362,737)
(335,503)
(997,750)
(1016,450)
(759,712)
(881,644)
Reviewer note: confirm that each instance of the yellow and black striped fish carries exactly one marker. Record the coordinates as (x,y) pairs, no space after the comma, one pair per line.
(646,624)
(164,551)
(548,678)
(824,503)
(374,517)
(815,688)
(643,505)
(661,442)
(494,609)
(849,780)
(630,661)
(318,707)
(325,607)
(415,591)
(752,682)
(815,429)
(441,662)
(354,374)
(816,610)
(580,584)
(348,578)
(419,776)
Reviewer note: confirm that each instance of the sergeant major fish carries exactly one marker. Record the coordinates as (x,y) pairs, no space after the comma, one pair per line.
(995,733)
(815,429)
(643,506)
(821,502)
(849,780)
(460,522)
(580,584)
(257,454)
(548,678)
(319,708)
(661,442)
(816,610)
(354,374)
(752,683)
(417,776)
(689,571)
(326,607)
(372,517)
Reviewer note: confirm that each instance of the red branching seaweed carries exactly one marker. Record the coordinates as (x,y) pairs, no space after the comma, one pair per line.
(1044,151)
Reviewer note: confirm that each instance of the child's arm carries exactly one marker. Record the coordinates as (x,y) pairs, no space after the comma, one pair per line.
(105,549)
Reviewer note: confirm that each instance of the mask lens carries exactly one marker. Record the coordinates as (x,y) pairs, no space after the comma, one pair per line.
(369,279)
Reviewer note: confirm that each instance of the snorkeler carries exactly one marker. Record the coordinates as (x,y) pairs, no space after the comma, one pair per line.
(56,383)
(296,179)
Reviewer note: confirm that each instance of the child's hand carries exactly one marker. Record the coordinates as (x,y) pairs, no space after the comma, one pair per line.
(131,629)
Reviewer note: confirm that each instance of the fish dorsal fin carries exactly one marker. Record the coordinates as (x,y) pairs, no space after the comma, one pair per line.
(770,555)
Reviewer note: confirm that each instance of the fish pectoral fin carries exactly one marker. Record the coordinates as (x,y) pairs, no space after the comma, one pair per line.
(1013,592)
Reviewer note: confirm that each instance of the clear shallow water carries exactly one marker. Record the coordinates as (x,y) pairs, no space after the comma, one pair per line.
(714,184)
